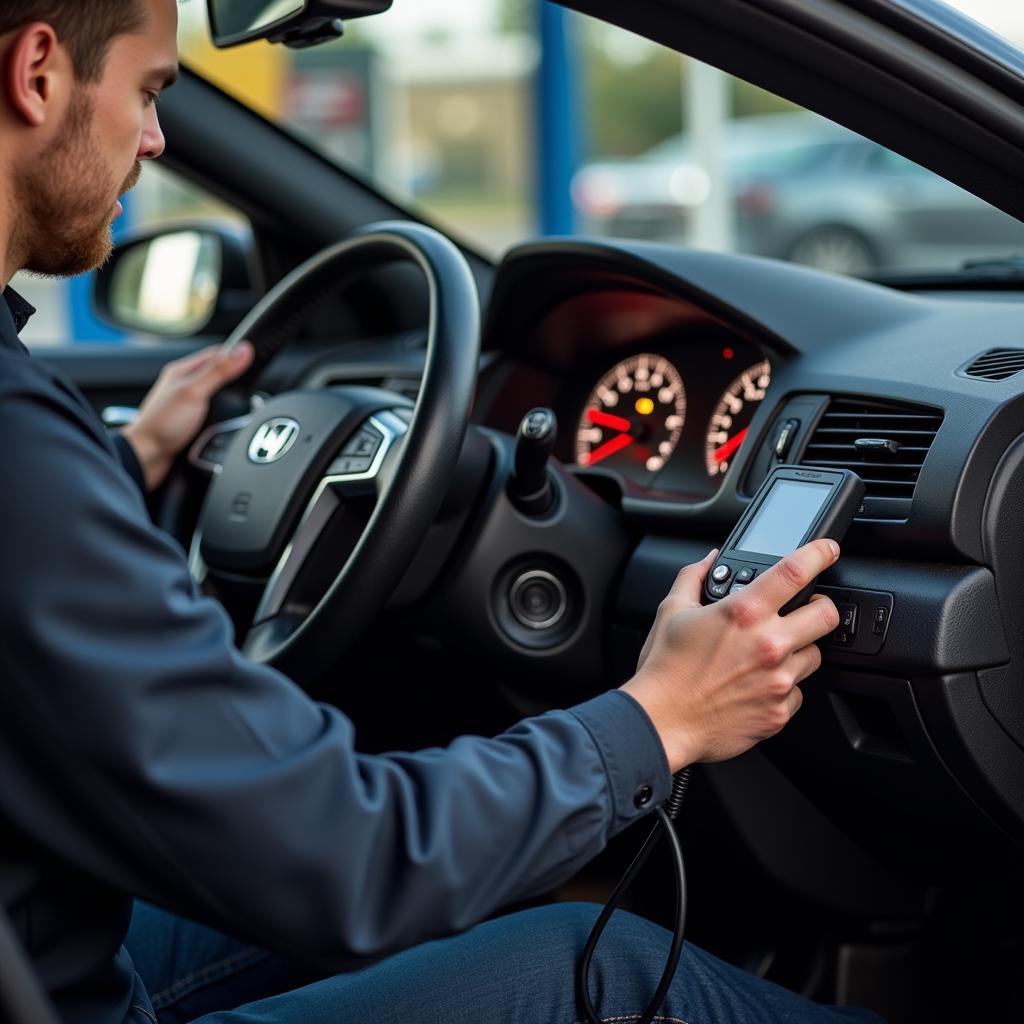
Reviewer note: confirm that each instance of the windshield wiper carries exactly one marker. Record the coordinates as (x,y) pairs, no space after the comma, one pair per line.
(996,273)
(997,268)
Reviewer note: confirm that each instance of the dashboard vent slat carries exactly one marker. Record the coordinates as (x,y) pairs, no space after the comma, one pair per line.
(996,364)
(885,475)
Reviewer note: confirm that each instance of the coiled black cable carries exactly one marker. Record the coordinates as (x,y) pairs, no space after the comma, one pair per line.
(666,815)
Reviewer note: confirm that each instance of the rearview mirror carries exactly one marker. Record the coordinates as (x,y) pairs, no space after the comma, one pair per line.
(178,282)
(296,23)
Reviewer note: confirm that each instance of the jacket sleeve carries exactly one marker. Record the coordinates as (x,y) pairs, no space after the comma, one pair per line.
(148,753)
(128,459)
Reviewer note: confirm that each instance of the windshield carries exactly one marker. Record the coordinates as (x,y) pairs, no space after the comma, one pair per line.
(618,137)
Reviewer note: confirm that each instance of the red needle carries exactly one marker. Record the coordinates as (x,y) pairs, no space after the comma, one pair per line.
(604,419)
(730,446)
(616,444)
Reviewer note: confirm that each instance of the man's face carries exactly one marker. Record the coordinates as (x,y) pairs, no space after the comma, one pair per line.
(68,197)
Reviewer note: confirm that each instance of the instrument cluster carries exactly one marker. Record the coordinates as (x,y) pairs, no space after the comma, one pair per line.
(671,417)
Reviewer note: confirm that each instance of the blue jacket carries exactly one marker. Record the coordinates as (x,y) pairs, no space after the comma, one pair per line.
(142,756)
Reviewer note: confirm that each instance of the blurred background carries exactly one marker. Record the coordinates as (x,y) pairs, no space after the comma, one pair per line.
(515,118)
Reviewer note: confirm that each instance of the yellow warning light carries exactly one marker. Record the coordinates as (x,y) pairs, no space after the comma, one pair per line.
(644,406)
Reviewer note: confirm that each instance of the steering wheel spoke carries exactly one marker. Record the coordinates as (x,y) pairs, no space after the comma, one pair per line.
(209,448)
(349,492)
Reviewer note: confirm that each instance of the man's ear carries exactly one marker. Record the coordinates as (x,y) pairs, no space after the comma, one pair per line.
(36,67)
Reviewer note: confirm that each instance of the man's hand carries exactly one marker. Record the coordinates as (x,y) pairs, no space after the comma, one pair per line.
(716,680)
(177,405)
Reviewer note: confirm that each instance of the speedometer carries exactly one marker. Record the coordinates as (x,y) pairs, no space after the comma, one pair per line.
(633,417)
(731,419)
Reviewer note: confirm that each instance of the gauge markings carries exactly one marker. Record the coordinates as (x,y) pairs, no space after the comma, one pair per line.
(648,395)
(730,422)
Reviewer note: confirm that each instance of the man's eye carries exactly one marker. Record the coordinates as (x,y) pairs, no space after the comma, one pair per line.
(152,98)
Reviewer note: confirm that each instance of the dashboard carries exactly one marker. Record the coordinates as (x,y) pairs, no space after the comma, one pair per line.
(676,377)
(679,379)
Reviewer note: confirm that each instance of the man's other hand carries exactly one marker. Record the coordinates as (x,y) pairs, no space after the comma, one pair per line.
(176,407)
(715,680)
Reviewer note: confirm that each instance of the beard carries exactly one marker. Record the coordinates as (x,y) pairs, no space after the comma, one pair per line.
(64,220)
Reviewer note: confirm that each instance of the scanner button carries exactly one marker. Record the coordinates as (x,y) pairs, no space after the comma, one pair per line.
(721,573)
(718,589)
(746,574)
(737,587)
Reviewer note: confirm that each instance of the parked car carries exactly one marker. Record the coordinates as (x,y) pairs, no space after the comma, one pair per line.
(803,189)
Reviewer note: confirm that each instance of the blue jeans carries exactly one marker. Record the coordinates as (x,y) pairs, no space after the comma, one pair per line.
(517,969)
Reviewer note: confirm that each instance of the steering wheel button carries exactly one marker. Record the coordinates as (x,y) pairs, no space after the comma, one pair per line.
(363,445)
(721,573)
(216,447)
(349,466)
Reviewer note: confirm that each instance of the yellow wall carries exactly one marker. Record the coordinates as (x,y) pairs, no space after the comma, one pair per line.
(257,74)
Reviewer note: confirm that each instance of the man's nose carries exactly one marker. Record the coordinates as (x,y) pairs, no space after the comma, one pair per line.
(152,143)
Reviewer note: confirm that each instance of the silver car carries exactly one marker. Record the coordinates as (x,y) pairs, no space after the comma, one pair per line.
(803,189)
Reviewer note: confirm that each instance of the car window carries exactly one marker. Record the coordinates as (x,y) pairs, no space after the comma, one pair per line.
(445,114)
(64,308)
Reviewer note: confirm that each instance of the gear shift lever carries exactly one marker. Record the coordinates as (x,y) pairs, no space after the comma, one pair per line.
(530,487)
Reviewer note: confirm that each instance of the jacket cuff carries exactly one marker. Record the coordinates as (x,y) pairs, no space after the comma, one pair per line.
(634,757)
(129,460)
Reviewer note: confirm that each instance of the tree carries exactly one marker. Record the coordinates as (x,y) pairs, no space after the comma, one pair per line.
(517,15)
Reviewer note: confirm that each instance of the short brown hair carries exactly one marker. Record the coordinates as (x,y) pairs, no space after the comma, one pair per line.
(85,27)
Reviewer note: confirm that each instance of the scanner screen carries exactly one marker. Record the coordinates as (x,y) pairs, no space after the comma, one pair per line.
(784,517)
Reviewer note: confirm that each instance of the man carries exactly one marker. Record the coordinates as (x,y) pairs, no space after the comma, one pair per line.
(143,758)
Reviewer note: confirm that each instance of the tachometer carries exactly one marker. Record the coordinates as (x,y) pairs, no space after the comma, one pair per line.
(731,418)
(633,418)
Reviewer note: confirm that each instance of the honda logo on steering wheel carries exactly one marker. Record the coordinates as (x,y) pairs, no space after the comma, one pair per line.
(273,440)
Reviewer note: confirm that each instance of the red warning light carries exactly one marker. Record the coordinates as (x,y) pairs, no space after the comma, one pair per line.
(727,353)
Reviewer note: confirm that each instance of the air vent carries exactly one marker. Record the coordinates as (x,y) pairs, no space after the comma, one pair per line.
(996,364)
(884,443)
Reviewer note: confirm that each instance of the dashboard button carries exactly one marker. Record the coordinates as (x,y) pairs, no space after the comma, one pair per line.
(848,619)
(880,619)
(784,439)
(538,600)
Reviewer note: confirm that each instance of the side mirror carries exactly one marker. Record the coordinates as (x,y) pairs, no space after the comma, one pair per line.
(179,282)
(297,23)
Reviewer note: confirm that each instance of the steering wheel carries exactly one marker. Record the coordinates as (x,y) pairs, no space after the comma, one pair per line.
(292,483)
